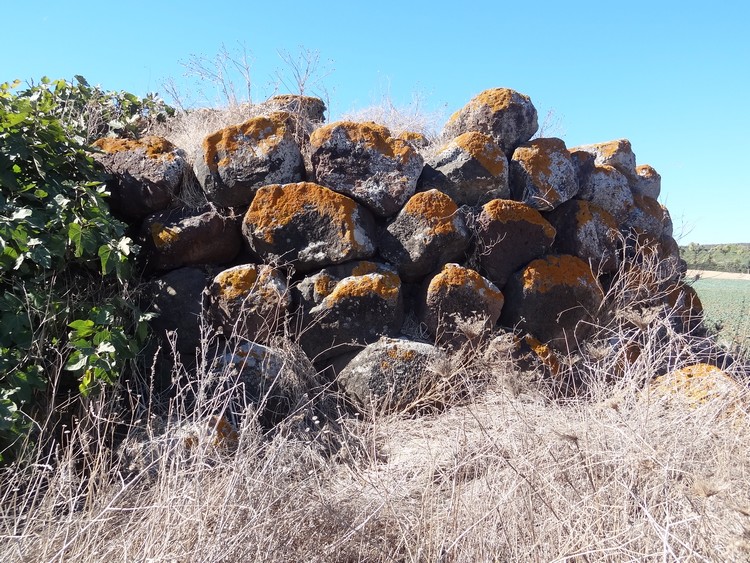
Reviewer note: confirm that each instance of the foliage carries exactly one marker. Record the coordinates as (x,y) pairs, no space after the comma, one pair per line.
(64,260)
(719,257)
(726,305)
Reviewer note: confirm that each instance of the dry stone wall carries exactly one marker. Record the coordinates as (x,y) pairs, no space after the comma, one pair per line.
(340,235)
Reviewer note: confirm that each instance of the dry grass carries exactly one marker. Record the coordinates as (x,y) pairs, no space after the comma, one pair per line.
(510,471)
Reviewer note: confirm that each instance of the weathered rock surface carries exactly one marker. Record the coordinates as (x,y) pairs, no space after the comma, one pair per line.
(427,233)
(542,174)
(587,231)
(363,161)
(646,217)
(607,188)
(389,375)
(250,301)
(552,299)
(460,306)
(308,107)
(343,308)
(471,169)
(239,159)
(183,237)
(146,174)
(648,183)
(308,226)
(509,234)
(696,386)
(618,154)
(504,114)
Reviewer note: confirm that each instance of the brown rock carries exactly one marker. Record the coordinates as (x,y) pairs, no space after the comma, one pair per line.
(460,306)
(427,233)
(542,174)
(184,237)
(554,299)
(250,301)
(586,231)
(308,226)
(308,107)
(471,169)
(509,235)
(363,161)
(504,114)
(146,174)
(239,159)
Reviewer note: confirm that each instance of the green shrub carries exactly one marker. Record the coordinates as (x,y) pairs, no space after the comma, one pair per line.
(64,260)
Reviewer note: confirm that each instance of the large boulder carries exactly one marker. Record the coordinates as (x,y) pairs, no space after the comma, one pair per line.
(389,375)
(460,306)
(427,233)
(308,226)
(509,234)
(184,237)
(363,161)
(146,174)
(239,159)
(308,107)
(607,188)
(699,386)
(471,169)
(250,301)
(648,183)
(646,217)
(504,114)
(587,231)
(542,174)
(555,299)
(343,308)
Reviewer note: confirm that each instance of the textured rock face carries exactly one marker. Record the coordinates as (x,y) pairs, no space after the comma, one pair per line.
(542,174)
(471,169)
(607,188)
(147,173)
(648,183)
(390,374)
(363,161)
(460,305)
(181,237)
(427,233)
(646,217)
(550,298)
(249,301)
(239,159)
(308,226)
(586,231)
(308,107)
(617,154)
(509,235)
(697,385)
(504,114)
(345,307)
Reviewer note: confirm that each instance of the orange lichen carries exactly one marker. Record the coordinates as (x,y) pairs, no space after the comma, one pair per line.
(453,275)
(497,99)
(324,284)
(436,208)
(649,206)
(154,147)
(385,285)
(545,354)
(263,131)
(412,136)
(369,134)
(364,268)
(237,282)
(504,210)
(164,236)
(484,150)
(646,171)
(225,435)
(544,274)
(274,206)
(697,384)
(397,353)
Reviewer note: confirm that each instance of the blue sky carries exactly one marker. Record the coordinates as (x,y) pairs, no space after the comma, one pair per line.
(673,77)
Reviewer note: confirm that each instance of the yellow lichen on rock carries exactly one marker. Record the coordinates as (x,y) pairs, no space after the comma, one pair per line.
(163,236)
(506,210)
(546,355)
(698,384)
(365,267)
(543,274)
(369,134)
(237,282)
(385,285)
(484,150)
(152,146)
(436,208)
(263,131)
(453,275)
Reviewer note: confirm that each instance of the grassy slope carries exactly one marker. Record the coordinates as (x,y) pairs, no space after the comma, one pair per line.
(719,257)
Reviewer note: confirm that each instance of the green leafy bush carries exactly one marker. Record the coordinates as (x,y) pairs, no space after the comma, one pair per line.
(64,260)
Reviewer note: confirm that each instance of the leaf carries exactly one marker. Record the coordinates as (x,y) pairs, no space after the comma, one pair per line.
(21,214)
(104,254)
(82,327)
(76,361)
(74,234)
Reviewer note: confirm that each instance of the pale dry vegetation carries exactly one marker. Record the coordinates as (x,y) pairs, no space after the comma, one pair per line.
(515,468)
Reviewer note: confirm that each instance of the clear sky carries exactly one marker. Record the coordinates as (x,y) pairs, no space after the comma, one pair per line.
(671,76)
